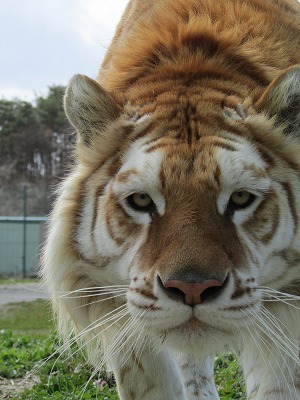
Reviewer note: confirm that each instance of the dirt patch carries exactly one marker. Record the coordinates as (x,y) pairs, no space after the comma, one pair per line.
(10,388)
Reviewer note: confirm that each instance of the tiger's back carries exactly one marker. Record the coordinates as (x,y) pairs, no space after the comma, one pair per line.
(177,232)
(238,39)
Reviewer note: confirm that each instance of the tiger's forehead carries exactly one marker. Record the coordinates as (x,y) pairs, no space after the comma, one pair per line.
(167,163)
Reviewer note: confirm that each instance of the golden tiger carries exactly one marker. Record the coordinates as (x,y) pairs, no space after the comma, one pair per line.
(176,235)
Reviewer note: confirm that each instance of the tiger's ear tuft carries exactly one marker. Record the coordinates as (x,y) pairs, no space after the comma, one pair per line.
(282,100)
(89,108)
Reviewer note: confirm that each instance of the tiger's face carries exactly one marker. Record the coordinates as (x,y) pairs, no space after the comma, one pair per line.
(196,223)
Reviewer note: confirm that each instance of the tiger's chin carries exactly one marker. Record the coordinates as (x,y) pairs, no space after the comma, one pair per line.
(196,337)
(195,329)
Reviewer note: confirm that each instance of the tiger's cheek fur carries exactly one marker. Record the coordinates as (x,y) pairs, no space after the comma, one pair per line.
(268,228)
(118,231)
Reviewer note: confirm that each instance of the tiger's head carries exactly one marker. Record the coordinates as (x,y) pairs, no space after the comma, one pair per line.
(188,200)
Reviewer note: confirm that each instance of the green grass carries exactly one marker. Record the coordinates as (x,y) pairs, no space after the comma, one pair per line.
(27,345)
(60,378)
(6,280)
(33,317)
(229,378)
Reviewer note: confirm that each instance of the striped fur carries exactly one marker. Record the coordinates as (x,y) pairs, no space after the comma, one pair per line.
(196,108)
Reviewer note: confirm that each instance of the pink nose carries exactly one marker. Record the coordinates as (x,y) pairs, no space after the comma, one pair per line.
(192,291)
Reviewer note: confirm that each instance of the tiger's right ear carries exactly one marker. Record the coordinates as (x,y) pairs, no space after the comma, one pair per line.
(281,99)
(89,108)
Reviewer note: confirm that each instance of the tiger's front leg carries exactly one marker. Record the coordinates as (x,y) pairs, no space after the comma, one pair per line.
(146,375)
(198,377)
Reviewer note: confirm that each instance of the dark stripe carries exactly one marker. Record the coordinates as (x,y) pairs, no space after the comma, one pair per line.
(145,293)
(291,201)
(265,155)
(259,217)
(224,146)
(217,174)
(108,215)
(275,224)
(145,132)
(124,176)
(114,166)
(240,307)
(216,142)
(157,146)
(75,208)
(98,194)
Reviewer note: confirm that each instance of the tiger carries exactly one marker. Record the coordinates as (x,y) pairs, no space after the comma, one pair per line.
(175,235)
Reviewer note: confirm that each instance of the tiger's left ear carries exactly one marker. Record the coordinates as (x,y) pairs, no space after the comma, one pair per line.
(282,100)
(89,108)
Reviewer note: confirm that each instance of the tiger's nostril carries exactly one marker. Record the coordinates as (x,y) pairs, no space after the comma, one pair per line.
(192,293)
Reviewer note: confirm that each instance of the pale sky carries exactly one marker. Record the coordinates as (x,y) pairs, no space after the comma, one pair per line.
(46,42)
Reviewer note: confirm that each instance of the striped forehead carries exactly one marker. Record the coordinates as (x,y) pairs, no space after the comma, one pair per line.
(140,168)
(197,163)
(241,168)
(223,162)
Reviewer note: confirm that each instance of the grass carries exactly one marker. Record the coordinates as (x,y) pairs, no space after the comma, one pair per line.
(6,280)
(33,317)
(27,345)
(229,378)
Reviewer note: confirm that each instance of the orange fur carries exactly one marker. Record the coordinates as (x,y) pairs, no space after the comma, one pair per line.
(245,43)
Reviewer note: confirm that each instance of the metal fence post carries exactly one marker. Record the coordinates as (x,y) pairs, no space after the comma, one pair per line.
(24,229)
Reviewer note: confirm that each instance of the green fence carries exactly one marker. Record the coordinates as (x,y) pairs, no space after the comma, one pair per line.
(21,240)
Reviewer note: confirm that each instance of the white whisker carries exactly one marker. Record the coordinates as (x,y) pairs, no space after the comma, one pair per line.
(278,324)
(95,324)
(133,332)
(94,291)
(266,344)
(116,292)
(100,300)
(271,333)
(119,343)
(279,294)
(280,340)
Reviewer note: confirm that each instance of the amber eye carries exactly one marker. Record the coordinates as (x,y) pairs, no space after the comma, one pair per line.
(141,202)
(239,200)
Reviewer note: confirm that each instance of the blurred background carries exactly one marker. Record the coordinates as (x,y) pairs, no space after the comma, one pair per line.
(42,45)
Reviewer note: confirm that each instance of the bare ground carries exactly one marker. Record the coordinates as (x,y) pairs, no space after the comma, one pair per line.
(11,388)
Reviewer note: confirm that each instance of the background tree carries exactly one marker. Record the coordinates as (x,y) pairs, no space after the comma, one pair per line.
(35,147)
(50,109)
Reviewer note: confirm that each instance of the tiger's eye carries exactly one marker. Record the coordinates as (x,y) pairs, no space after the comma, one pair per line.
(241,198)
(141,202)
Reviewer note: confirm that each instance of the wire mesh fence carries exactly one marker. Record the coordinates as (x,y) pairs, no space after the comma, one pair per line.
(21,242)
(22,234)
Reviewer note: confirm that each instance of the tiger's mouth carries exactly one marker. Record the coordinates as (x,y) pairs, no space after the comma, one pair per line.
(217,310)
